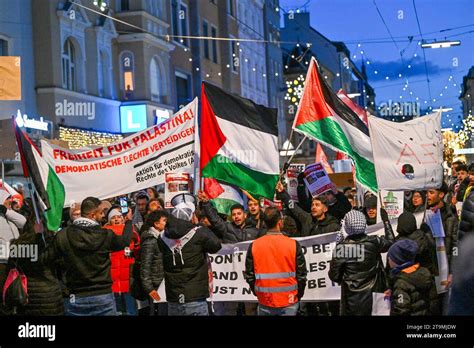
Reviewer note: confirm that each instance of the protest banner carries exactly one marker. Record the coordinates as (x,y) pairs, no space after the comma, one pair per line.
(291,176)
(407,155)
(393,202)
(433,220)
(316,179)
(175,184)
(228,267)
(131,164)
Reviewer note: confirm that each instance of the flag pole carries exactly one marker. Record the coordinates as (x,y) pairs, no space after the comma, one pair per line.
(35,207)
(287,164)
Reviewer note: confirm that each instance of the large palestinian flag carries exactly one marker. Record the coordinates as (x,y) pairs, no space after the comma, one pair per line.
(324,117)
(239,142)
(47,184)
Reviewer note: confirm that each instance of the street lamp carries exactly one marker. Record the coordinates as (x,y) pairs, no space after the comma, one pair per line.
(101,4)
(440,44)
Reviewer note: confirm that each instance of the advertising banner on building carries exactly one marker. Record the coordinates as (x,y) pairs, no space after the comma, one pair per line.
(131,164)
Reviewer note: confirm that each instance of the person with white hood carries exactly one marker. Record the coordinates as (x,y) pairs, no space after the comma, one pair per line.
(185,246)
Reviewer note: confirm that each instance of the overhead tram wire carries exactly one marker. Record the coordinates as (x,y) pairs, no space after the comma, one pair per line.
(424,54)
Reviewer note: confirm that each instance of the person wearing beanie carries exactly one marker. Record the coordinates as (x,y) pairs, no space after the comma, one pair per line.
(357,264)
(413,285)
(370,209)
(407,229)
(121,263)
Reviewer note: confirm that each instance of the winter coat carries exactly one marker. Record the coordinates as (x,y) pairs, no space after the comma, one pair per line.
(85,248)
(462,293)
(412,291)
(462,189)
(186,268)
(450,225)
(151,268)
(309,225)
(44,291)
(229,232)
(466,226)
(122,264)
(359,276)
(10,224)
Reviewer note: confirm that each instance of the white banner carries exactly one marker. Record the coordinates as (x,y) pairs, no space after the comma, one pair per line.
(228,267)
(131,164)
(407,155)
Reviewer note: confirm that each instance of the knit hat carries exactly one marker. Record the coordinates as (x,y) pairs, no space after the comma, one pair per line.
(403,251)
(354,222)
(406,224)
(112,213)
(370,202)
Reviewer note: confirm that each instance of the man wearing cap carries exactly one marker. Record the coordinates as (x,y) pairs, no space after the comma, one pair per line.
(435,198)
(185,247)
(413,285)
(370,209)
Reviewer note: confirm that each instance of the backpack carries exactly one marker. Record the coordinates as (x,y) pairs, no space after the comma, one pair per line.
(15,290)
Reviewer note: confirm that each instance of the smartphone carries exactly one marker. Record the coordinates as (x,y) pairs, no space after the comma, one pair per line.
(124,205)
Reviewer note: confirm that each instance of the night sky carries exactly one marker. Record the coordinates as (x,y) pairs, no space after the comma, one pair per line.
(358,23)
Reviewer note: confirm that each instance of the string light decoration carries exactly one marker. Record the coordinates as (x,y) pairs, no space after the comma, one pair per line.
(101,4)
(78,138)
(294,90)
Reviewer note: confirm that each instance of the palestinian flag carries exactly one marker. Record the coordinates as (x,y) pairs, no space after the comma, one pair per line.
(239,142)
(47,184)
(324,117)
(231,195)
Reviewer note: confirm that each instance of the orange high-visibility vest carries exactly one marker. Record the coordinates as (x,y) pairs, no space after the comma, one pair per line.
(274,258)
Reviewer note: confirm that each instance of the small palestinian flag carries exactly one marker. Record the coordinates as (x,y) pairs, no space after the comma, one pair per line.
(47,184)
(231,195)
(239,142)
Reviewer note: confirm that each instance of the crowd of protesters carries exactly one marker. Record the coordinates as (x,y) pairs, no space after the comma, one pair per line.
(110,259)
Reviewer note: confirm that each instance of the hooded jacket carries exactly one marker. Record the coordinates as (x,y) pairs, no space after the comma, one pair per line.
(186,266)
(229,232)
(466,226)
(309,225)
(85,248)
(412,291)
(151,268)
(407,229)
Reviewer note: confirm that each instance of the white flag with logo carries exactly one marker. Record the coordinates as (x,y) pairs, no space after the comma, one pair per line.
(408,155)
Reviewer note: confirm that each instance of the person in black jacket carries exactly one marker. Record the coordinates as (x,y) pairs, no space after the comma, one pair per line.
(44,291)
(151,259)
(466,225)
(338,204)
(357,264)
(370,209)
(314,223)
(462,293)
(413,285)
(229,232)
(85,248)
(184,247)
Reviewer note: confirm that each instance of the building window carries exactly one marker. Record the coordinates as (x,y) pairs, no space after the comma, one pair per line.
(205,33)
(127,68)
(69,65)
(214,44)
(104,83)
(183,89)
(3,47)
(124,5)
(157,82)
(231,7)
(179,14)
(234,59)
